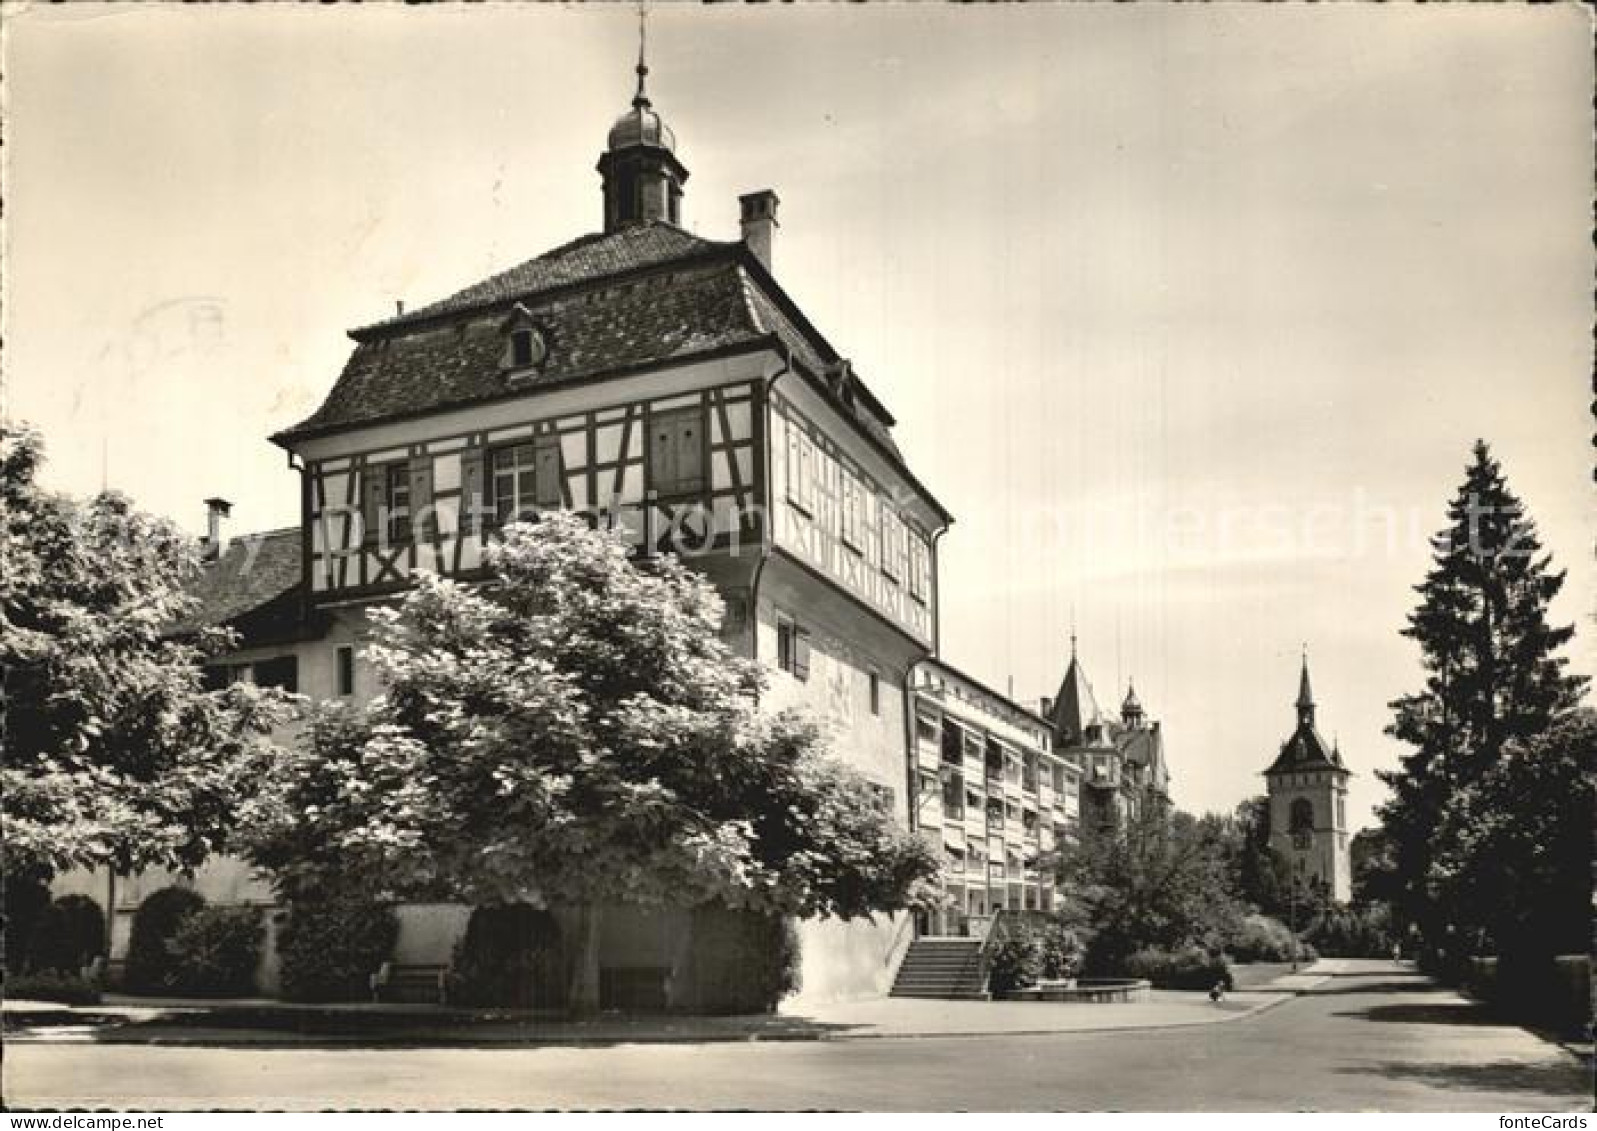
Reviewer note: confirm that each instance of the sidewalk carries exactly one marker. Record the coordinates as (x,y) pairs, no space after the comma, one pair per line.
(273,1023)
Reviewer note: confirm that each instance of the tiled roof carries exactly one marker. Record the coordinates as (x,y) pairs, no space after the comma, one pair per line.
(253,571)
(1305,750)
(586,258)
(630,321)
(643,294)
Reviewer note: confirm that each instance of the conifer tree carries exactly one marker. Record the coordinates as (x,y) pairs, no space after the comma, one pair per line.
(1492,677)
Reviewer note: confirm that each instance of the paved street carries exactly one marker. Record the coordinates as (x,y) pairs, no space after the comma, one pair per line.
(1379,1039)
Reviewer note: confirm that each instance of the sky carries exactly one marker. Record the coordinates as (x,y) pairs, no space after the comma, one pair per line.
(1190,315)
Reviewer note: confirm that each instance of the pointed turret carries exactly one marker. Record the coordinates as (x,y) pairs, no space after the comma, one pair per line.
(1131,706)
(1076,712)
(1305,695)
(1306,748)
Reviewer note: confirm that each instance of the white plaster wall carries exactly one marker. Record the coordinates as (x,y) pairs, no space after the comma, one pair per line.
(856,959)
(837,695)
(428,932)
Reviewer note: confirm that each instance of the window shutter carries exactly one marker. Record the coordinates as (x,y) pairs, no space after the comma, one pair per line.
(422,518)
(690,451)
(801,654)
(546,475)
(472,500)
(662,454)
(373,501)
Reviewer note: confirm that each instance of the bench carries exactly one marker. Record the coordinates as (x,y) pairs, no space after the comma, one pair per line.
(414,984)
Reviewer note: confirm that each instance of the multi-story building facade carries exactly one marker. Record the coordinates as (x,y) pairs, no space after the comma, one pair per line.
(666,385)
(1307,787)
(1121,761)
(994,798)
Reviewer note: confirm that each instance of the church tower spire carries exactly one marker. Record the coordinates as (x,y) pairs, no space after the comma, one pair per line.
(1305,694)
(642,177)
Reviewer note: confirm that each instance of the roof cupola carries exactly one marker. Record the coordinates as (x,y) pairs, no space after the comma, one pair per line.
(642,177)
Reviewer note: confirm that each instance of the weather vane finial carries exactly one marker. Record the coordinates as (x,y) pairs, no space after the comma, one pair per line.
(641,99)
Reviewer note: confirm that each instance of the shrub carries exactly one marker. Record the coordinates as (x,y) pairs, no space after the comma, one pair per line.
(1259,938)
(741,961)
(510,955)
(1062,951)
(150,968)
(1032,949)
(1354,933)
(26,901)
(215,951)
(330,950)
(52,985)
(1189,968)
(68,936)
(1014,961)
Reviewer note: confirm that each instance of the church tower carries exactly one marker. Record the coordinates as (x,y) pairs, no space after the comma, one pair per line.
(1307,785)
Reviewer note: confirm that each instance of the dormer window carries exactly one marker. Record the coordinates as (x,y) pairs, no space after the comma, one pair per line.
(526,347)
(521,347)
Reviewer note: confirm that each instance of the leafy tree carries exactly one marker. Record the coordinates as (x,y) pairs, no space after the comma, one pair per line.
(115,754)
(1515,846)
(576,733)
(1374,868)
(1159,879)
(1263,877)
(1493,681)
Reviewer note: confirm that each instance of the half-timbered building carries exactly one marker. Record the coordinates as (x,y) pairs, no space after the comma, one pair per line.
(666,385)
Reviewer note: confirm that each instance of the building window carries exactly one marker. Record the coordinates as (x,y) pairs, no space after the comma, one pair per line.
(524,479)
(792,649)
(926,729)
(521,348)
(280,672)
(1302,814)
(953,744)
(346,669)
(800,468)
(397,511)
(954,798)
(894,533)
(852,500)
(875,683)
(920,572)
(676,452)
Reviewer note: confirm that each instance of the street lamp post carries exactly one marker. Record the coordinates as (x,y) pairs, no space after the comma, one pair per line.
(1292,904)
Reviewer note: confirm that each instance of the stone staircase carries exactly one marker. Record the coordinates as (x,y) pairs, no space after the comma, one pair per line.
(941,967)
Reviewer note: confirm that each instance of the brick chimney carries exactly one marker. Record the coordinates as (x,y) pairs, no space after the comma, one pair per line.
(215,511)
(759,223)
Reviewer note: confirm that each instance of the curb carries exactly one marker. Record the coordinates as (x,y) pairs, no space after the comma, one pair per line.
(270,1040)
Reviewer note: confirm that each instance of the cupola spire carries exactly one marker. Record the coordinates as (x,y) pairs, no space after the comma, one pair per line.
(640,100)
(642,177)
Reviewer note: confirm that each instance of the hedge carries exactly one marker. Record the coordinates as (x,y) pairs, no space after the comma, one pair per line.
(51,985)
(1259,938)
(1190,968)
(151,968)
(330,950)
(26,901)
(510,955)
(740,961)
(68,936)
(215,951)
